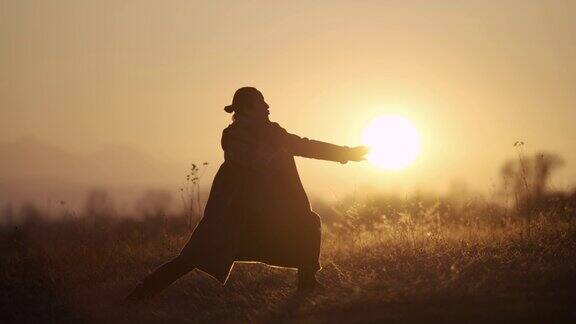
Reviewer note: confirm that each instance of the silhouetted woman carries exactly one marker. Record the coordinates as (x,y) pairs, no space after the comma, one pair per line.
(257,209)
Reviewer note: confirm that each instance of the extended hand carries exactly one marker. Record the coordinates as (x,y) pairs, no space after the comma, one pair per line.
(358,153)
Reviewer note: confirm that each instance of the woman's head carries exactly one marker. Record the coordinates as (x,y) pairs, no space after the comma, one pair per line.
(248,103)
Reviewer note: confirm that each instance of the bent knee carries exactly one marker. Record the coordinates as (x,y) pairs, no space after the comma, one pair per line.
(184,261)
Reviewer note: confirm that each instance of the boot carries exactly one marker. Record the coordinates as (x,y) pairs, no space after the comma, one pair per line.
(160,279)
(307,280)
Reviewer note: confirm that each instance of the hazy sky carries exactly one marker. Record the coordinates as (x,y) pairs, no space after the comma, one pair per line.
(473,76)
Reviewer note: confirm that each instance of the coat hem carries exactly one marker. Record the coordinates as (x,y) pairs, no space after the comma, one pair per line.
(224,279)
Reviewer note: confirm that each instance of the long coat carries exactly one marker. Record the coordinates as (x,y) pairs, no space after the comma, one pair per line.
(257,209)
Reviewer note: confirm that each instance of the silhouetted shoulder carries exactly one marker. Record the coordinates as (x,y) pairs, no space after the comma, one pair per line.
(281,135)
(277,128)
(275,125)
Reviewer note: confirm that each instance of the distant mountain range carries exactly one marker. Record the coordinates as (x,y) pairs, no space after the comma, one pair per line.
(33,170)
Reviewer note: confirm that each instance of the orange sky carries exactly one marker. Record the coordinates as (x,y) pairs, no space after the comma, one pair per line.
(473,76)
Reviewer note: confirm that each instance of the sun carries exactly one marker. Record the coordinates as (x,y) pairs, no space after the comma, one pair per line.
(393,140)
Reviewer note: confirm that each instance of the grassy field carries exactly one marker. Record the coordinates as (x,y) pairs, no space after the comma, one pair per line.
(417,262)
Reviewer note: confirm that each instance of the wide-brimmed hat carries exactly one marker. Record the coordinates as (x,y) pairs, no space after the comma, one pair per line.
(244,97)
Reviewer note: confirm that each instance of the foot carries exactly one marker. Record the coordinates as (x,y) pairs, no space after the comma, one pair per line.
(309,285)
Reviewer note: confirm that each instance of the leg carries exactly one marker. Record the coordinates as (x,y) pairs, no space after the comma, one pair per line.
(161,278)
(307,272)
(307,279)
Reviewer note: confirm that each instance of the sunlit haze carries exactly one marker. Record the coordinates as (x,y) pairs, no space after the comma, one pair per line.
(105,83)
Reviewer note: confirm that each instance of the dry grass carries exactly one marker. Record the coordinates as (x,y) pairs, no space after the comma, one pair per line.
(419,266)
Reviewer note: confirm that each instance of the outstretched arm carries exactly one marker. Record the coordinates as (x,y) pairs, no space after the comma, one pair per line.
(241,148)
(302,146)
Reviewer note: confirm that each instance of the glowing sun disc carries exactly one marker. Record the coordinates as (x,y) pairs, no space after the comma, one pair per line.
(393,141)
